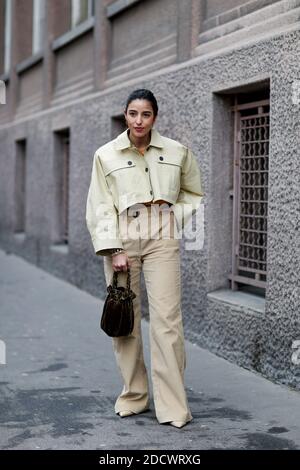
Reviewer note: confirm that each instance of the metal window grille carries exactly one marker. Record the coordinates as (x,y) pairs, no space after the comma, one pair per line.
(250,194)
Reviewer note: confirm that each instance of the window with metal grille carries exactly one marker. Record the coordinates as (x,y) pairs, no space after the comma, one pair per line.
(20,186)
(65,188)
(61,184)
(250,194)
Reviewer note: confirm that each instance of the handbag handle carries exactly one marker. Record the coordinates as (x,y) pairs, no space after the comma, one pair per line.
(115,280)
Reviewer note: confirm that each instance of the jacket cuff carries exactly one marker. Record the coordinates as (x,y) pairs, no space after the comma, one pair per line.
(103,247)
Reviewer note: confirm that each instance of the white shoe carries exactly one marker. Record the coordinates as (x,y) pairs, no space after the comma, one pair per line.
(178,424)
(125,413)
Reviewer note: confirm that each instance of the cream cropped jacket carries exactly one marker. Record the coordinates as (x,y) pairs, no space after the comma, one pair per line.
(122,176)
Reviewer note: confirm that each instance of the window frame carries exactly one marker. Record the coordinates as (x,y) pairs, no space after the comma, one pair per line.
(38,21)
(236,277)
(76,13)
(7,36)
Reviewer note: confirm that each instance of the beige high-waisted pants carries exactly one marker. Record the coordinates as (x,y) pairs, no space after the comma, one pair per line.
(159,259)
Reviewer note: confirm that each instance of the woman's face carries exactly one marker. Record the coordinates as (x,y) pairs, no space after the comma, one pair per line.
(139,117)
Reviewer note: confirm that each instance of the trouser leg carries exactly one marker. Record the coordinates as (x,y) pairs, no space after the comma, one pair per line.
(161,267)
(128,350)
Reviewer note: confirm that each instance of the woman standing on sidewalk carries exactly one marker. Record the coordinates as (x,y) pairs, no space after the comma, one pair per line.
(143,170)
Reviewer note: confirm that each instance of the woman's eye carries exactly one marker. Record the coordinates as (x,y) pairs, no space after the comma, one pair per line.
(145,115)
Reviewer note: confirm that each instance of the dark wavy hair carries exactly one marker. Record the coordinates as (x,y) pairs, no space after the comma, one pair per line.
(143,94)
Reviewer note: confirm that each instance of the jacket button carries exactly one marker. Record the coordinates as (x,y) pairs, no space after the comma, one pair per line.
(151,192)
(129,163)
(146,169)
(161,158)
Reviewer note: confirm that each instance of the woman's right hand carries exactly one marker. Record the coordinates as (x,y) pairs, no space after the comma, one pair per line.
(121,262)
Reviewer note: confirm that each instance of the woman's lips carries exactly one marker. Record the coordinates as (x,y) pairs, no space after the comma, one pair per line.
(139,129)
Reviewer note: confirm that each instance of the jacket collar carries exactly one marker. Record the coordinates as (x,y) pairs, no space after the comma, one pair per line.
(123,141)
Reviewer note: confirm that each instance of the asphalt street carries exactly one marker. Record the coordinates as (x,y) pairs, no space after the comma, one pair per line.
(60,381)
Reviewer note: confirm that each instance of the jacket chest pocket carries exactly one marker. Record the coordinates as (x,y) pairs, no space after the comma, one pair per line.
(121,176)
(119,167)
(169,172)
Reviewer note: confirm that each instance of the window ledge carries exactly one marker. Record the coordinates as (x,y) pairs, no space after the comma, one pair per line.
(238,298)
(73,34)
(60,248)
(20,236)
(29,62)
(5,77)
(119,6)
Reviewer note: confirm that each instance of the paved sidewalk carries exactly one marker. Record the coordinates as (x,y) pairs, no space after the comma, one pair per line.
(60,382)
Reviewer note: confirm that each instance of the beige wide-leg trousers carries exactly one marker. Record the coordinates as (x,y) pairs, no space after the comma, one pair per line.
(149,238)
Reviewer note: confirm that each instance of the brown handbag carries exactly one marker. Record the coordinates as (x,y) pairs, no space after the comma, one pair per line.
(118,315)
